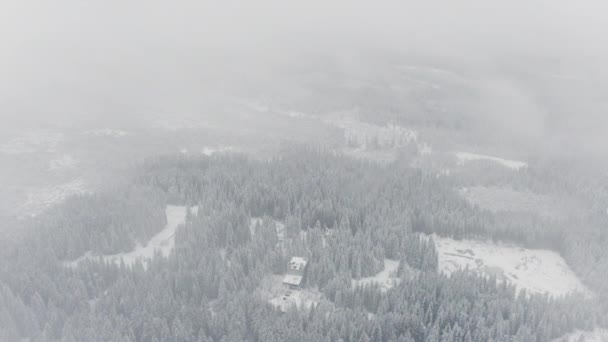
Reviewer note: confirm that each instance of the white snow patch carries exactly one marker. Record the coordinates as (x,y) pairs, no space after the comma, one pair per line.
(464,157)
(387,278)
(163,241)
(535,270)
(426,68)
(209,151)
(258,106)
(254,223)
(106,132)
(297,114)
(64,162)
(597,335)
(32,142)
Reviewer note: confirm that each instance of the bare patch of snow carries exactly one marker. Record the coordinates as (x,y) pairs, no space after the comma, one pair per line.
(33,142)
(535,270)
(174,125)
(386,279)
(209,151)
(162,242)
(597,335)
(465,157)
(253,224)
(106,132)
(426,68)
(64,162)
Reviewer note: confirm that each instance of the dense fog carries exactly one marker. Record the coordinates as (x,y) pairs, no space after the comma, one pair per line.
(353,171)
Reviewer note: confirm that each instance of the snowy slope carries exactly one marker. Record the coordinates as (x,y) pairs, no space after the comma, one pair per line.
(464,157)
(386,279)
(597,335)
(163,241)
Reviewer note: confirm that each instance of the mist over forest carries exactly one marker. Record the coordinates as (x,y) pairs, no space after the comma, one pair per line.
(303,171)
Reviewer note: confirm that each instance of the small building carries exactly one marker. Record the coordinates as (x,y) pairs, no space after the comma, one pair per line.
(296,270)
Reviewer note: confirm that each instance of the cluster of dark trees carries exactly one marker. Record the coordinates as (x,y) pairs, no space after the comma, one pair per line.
(346,216)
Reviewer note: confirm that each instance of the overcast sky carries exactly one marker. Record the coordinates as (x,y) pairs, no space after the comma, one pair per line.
(75,56)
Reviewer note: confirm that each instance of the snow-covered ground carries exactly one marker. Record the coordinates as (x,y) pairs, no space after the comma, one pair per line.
(163,241)
(465,157)
(39,199)
(272,290)
(209,151)
(32,142)
(597,335)
(63,162)
(386,279)
(499,199)
(535,270)
(106,132)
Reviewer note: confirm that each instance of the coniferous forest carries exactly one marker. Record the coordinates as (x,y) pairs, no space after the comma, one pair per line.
(346,216)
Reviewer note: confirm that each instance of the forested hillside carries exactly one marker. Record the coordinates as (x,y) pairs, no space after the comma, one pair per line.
(345,216)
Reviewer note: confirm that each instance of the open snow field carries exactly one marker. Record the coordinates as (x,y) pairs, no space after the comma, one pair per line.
(465,157)
(597,335)
(535,270)
(386,279)
(163,241)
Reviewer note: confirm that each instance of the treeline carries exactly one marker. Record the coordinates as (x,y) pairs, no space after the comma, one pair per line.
(580,236)
(346,216)
(101,223)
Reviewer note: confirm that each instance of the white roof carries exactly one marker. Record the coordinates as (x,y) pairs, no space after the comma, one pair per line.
(297,263)
(291,279)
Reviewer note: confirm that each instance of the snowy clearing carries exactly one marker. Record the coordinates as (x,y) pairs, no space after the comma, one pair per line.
(597,335)
(209,151)
(272,290)
(464,157)
(386,279)
(163,241)
(535,270)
